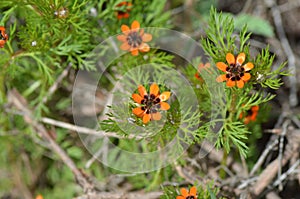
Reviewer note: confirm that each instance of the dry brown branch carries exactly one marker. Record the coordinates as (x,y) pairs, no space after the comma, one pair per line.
(190,178)
(263,157)
(108,195)
(271,170)
(293,99)
(16,100)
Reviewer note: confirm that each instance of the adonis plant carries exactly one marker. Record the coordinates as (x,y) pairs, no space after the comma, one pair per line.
(103,96)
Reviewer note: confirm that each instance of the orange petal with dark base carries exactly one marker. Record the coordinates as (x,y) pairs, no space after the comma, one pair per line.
(246,77)
(164,106)
(165,96)
(230,83)
(221,78)
(184,192)
(135,52)
(248,66)
(137,98)
(125,29)
(180,197)
(138,111)
(142,91)
(241,58)
(240,83)
(144,47)
(135,25)
(154,89)
(230,58)
(221,66)
(156,116)
(193,191)
(146,118)
(122,38)
(125,46)
(255,108)
(147,37)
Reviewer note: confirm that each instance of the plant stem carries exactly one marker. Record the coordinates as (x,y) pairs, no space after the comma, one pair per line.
(232,108)
(155,182)
(232,111)
(222,172)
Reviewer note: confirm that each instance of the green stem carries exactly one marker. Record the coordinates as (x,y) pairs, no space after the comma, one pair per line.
(156,180)
(232,111)
(232,108)
(222,172)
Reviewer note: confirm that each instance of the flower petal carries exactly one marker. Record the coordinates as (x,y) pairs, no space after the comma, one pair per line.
(138,111)
(198,76)
(122,15)
(254,108)
(193,191)
(125,29)
(221,66)
(135,25)
(248,66)
(230,83)
(221,78)
(144,47)
(135,52)
(164,106)
(147,37)
(240,83)
(154,89)
(146,118)
(122,38)
(137,98)
(246,77)
(180,197)
(156,116)
(142,90)
(230,58)
(253,116)
(184,192)
(125,46)
(241,58)
(165,96)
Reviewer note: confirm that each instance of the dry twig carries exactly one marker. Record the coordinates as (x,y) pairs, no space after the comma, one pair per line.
(293,99)
(106,195)
(271,170)
(15,98)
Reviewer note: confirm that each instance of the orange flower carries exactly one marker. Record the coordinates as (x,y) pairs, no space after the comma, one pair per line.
(251,114)
(122,14)
(236,73)
(200,68)
(151,103)
(3,37)
(133,39)
(188,195)
(39,197)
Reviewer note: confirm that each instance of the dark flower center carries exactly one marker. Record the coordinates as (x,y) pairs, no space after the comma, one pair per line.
(235,72)
(2,36)
(250,112)
(151,104)
(190,197)
(121,12)
(134,39)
